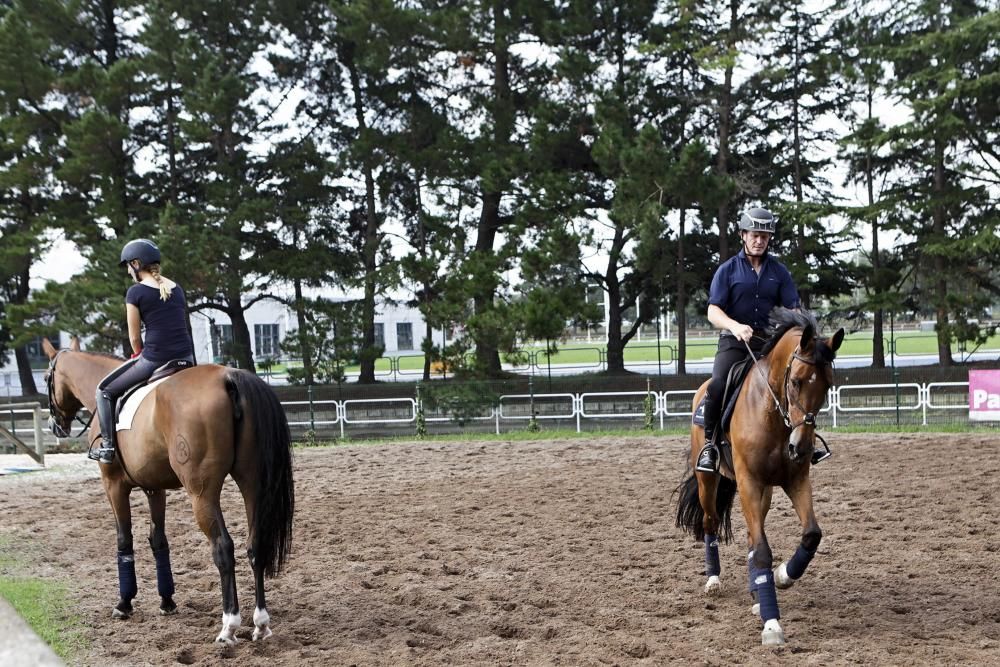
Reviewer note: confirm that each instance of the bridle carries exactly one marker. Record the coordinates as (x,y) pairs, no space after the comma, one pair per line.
(54,409)
(809,418)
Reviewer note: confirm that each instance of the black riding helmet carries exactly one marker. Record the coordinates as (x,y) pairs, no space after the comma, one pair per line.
(143,250)
(757,220)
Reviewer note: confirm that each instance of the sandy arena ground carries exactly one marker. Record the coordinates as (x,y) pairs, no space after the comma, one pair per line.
(548,553)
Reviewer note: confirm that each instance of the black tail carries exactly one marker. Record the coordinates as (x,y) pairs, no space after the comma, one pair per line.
(689,512)
(275,493)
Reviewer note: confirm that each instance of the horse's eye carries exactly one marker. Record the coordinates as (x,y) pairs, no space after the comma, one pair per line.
(797,383)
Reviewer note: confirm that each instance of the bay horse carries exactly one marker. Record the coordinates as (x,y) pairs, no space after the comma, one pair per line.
(773,434)
(195,428)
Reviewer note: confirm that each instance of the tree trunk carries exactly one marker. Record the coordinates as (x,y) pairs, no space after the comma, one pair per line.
(725,123)
(487,354)
(369,248)
(242,343)
(300,315)
(681,300)
(616,343)
(940,265)
(878,342)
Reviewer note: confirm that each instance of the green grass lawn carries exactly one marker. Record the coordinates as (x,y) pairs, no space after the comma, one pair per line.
(45,604)
(588,356)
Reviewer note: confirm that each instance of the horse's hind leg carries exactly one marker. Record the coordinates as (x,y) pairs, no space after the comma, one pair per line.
(208,514)
(161,551)
(261,618)
(118,496)
(708,489)
(791,570)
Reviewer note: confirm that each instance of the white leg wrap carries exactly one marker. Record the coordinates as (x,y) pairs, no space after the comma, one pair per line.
(772,634)
(755,609)
(230,624)
(261,622)
(781,578)
(713,586)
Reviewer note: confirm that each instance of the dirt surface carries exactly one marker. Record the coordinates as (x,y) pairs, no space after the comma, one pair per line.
(550,553)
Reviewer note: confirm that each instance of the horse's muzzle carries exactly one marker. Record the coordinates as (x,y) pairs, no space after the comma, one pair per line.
(57,428)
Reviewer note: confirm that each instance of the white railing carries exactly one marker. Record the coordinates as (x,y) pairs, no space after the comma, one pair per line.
(842,401)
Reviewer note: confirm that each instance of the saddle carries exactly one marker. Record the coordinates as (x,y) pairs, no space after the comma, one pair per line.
(125,408)
(734,383)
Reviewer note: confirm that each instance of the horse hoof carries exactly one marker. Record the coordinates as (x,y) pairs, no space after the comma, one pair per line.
(168,611)
(781,578)
(261,633)
(755,609)
(772,634)
(713,586)
(227,641)
(121,614)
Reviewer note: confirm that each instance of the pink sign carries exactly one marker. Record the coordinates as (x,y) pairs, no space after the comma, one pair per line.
(984,395)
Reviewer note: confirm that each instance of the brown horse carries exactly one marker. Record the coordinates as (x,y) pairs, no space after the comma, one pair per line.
(773,436)
(194,429)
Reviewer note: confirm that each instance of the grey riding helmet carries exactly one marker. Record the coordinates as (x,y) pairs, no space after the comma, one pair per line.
(143,250)
(757,220)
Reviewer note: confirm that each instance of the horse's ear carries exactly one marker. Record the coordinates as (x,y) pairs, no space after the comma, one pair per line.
(74,344)
(49,350)
(808,333)
(837,339)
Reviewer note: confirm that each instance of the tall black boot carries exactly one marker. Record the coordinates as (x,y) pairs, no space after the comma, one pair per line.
(106,419)
(708,459)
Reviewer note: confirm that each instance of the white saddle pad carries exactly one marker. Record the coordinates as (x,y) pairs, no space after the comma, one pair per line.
(131,406)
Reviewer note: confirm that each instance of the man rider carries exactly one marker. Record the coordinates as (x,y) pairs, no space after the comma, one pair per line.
(744,290)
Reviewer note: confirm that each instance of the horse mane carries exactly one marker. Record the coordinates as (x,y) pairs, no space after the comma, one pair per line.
(782,320)
(106,355)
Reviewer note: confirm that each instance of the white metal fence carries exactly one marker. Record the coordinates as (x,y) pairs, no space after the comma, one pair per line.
(918,404)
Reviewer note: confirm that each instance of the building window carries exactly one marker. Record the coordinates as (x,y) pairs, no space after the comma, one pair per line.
(404,336)
(380,335)
(265,337)
(222,341)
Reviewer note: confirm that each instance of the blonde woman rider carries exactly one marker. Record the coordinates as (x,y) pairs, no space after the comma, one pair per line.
(156,303)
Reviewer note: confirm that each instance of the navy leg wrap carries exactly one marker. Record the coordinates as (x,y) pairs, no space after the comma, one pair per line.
(127,585)
(712,566)
(164,576)
(797,565)
(767,596)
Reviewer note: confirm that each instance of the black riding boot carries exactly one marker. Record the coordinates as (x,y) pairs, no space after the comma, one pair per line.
(708,459)
(106,418)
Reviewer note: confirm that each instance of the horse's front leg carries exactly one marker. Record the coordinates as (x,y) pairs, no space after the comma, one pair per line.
(800,493)
(756,499)
(118,495)
(161,551)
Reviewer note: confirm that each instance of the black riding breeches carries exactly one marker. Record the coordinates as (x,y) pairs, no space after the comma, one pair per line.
(731,351)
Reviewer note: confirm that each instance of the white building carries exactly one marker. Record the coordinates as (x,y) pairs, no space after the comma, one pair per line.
(400,329)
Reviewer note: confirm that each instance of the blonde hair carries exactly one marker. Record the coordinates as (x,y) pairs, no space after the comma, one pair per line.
(154,270)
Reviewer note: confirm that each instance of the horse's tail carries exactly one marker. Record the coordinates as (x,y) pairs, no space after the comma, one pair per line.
(256,406)
(690,515)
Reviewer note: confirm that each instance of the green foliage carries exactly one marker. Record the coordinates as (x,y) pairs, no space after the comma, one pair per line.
(330,330)
(462,401)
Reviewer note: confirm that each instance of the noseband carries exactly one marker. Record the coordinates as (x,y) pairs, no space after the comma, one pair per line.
(57,428)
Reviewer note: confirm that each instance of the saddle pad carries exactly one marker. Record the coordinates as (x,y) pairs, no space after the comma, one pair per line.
(132,403)
(734,383)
